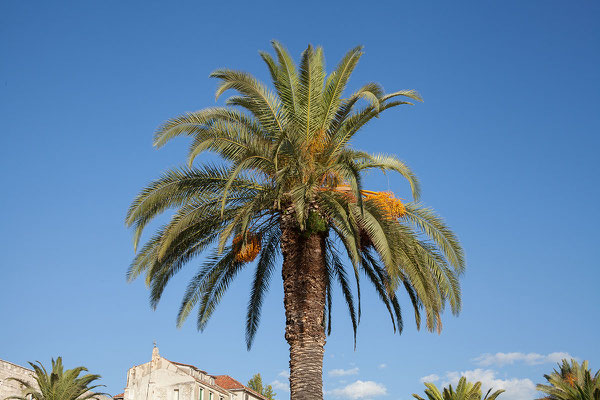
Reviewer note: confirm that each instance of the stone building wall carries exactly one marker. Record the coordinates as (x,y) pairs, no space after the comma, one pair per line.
(10,370)
(11,388)
(161,379)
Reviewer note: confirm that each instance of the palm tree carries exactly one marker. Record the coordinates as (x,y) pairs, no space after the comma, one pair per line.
(291,185)
(464,391)
(571,382)
(59,384)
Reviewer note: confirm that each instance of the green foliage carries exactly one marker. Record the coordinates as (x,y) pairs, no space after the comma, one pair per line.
(59,384)
(287,149)
(256,384)
(571,381)
(315,223)
(269,393)
(464,391)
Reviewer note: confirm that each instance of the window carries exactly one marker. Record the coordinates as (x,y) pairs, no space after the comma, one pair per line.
(176,394)
(201,395)
(210,395)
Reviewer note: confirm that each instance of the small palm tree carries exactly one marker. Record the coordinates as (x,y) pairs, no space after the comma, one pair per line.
(571,382)
(464,391)
(59,384)
(291,186)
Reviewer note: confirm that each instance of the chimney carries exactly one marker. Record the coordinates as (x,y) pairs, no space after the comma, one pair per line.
(155,355)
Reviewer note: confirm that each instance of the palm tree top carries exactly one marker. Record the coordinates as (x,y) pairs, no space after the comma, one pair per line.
(287,156)
(571,381)
(465,390)
(59,384)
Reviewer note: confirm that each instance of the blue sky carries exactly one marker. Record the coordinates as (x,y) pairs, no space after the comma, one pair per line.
(506,146)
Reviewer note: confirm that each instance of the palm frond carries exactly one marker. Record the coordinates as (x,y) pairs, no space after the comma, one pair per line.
(194,123)
(209,285)
(339,272)
(264,105)
(434,227)
(310,90)
(260,284)
(335,85)
(390,163)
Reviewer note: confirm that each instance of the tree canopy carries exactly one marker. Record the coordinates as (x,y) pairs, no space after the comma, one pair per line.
(256,384)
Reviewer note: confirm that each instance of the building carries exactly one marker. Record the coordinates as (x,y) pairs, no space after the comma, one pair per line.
(9,370)
(159,379)
(162,379)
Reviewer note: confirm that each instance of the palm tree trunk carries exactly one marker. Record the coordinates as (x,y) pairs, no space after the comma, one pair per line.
(304,280)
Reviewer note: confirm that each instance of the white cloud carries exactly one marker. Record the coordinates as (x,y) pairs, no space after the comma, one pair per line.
(343,372)
(382,366)
(516,389)
(278,385)
(360,390)
(501,359)
(284,374)
(430,378)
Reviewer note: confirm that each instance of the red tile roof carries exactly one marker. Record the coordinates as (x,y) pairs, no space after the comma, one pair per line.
(227,382)
(119,396)
(215,387)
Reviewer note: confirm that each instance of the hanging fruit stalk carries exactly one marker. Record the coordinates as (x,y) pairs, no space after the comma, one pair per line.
(249,250)
(393,207)
(318,142)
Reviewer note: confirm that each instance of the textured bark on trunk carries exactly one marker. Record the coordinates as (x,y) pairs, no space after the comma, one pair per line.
(304,279)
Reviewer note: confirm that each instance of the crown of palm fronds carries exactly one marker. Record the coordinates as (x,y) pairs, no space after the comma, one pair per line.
(464,391)
(59,384)
(571,381)
(286,151)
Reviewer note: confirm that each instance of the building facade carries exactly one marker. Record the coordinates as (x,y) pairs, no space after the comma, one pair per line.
(162,379)
(9,387)
(159,379)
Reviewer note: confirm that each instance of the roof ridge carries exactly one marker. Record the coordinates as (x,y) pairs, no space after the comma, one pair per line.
(187,365)
(255,392)
(17,365)
(205,383)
